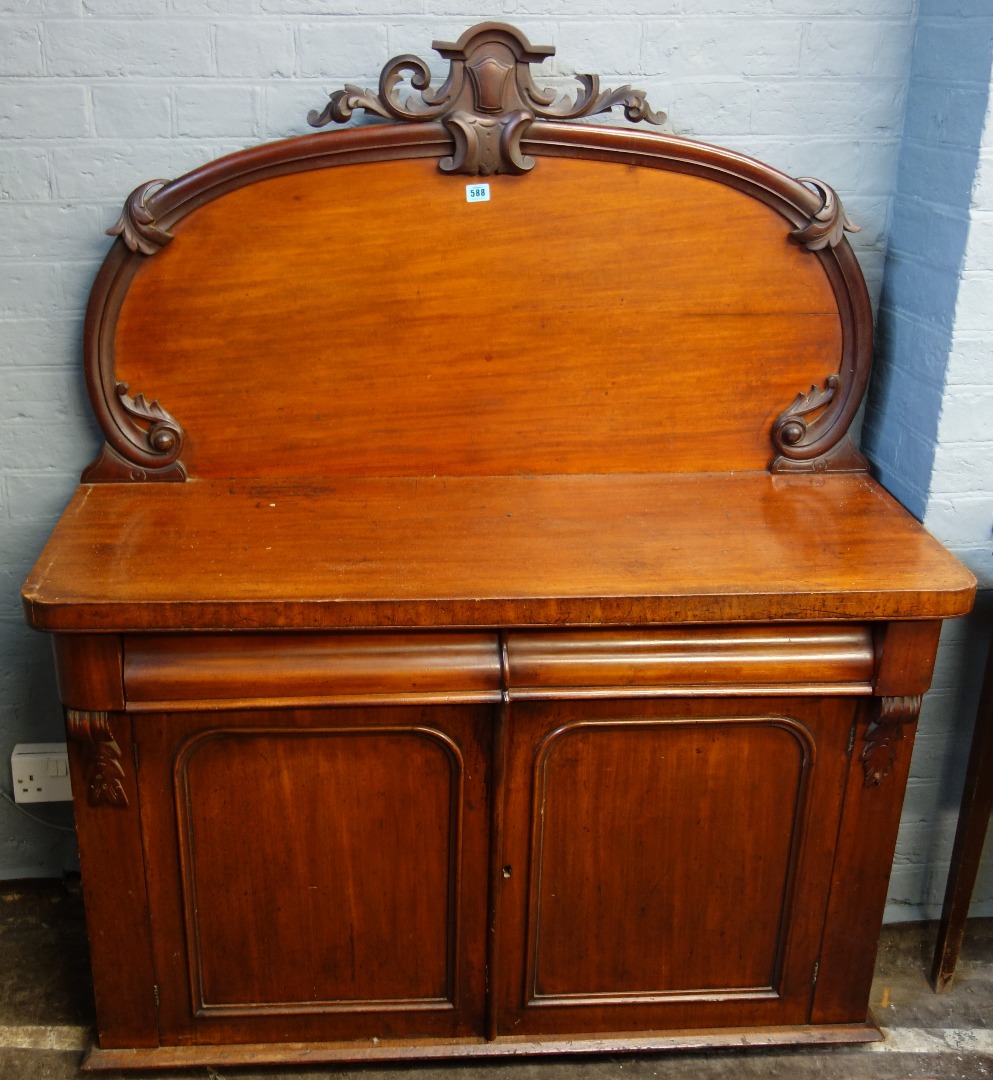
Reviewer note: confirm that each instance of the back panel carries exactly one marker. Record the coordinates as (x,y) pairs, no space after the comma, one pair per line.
(367,320)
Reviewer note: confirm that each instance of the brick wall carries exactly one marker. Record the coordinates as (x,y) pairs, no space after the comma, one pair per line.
(97,96)
(928,428)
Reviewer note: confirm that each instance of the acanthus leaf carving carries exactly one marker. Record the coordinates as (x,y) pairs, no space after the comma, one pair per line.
(487,102)
(163,434)
(879,753)
(387,102)
(808,437)
(590,101)
(137,226)
(343,103)
(790,429)
(104,771)
(146,443)
(829,224)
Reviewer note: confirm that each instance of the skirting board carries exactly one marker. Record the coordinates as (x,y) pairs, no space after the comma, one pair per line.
(172,1057)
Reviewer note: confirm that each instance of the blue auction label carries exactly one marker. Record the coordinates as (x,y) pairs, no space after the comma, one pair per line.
(477,193)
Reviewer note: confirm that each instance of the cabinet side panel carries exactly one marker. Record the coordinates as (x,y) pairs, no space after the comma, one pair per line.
(866,842)
(108,828)
(89,670)
(906,653)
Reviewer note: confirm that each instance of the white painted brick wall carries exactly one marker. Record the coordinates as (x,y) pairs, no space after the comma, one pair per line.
(960,505)
(333,48)
(929,426)
(77,48)
(97,96)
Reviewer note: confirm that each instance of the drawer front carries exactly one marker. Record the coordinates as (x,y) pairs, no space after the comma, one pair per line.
(674,661)
(209,671)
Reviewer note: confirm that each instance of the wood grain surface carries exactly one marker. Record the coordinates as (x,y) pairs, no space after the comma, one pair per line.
(367,320)
(670,860)
(317,874)
(489,551)
(164,672)
(187,671)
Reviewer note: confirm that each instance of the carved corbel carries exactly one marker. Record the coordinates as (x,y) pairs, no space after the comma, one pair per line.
(102,755)
(882,735)
(487,102)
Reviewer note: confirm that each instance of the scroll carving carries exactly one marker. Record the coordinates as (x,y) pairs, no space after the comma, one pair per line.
(882,735)
(806,423)
(143,441)
(163,434)
(791,427)
(137,226)
(487,102)
(812,434)
(104,771)
(829,224)
(149,445)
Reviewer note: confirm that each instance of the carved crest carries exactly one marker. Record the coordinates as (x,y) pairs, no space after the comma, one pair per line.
(488,101)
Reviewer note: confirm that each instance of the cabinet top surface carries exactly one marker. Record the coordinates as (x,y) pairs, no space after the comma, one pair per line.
(489,551)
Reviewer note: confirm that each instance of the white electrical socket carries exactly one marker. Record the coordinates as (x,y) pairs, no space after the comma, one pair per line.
(41,772)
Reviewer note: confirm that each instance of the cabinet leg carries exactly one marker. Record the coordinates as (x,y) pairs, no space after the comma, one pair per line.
(108,826)
(974,815)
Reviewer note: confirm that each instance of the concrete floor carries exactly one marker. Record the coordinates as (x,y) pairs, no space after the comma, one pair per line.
(46,1010)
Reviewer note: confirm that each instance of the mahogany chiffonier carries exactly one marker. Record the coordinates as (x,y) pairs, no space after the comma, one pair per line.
(479,633)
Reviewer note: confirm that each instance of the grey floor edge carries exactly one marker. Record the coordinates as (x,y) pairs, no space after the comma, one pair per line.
(46,1017)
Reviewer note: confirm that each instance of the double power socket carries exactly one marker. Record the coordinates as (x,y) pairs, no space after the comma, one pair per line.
(40,772)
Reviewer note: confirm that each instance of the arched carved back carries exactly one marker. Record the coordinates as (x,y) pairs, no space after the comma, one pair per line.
(334,305)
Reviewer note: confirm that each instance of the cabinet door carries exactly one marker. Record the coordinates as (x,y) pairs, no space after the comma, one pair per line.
(667,863)
(316,874)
